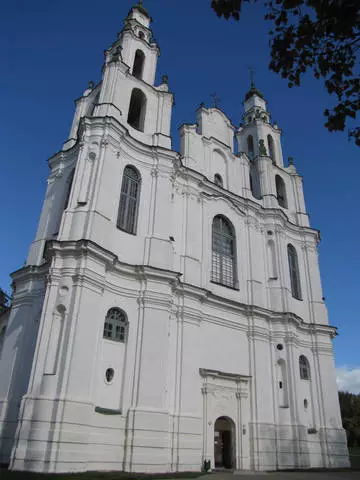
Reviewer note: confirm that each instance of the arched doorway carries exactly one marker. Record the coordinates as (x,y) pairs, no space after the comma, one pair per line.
(224,443)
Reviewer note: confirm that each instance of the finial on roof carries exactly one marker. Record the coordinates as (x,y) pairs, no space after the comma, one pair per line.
(291,160)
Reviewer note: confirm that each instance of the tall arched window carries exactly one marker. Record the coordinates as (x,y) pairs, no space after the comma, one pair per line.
(250,147)
(294,272)
(304,368)
(69,186)
(139,61)
(116,325)
(271,148)
(223,269)
(129,200)
(280,191)
(218,180)
(137,110)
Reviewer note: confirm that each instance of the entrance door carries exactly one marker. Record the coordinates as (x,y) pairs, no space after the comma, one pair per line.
(223,443)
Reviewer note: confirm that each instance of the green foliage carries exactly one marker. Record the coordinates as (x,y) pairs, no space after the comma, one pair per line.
(350,413)
(318,35)
(4,301)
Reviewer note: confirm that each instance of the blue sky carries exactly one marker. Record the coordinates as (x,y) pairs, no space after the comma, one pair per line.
(50,50)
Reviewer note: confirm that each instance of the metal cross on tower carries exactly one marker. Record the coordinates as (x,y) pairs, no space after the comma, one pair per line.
(252,76)
(216,100)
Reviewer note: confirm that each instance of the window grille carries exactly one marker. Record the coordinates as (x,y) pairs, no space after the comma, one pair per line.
(116,325)
(129,199)
(223,252)
(304,368)
(294,272)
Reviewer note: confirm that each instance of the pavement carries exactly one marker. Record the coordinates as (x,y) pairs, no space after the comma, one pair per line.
(304,475)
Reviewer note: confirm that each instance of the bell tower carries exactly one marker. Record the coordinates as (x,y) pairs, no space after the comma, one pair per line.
(127,91)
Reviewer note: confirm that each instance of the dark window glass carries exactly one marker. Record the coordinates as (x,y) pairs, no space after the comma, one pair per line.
(116,325)
(294,272)
(129,199)
(304,368)
(223,252)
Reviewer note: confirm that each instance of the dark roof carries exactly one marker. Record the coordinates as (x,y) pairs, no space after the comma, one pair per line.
(141,9)
(254,91)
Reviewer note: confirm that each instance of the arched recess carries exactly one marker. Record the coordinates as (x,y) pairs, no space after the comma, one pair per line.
(224,443)
(250,147)
(282,383)
(281,191)
(223,264)
(272,259)
(139,62)
(271,148)
(137,110)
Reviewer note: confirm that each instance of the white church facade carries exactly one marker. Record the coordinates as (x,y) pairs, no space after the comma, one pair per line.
(170,312)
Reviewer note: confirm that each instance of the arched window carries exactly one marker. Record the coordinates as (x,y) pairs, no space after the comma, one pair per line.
(271,148)
(223,252)
(116,325)
(280,191)
(137,108)
(139,61)
(304,368)
(250,147)
(69,187)
(129,200)
(218,180)
(294,272)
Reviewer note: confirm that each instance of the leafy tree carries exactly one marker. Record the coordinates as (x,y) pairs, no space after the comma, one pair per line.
(350,413)
(4,301)
(318,35)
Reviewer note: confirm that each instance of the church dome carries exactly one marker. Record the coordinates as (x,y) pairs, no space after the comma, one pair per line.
(254,91)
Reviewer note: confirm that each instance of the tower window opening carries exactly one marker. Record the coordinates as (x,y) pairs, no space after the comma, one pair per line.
(129,200)
(280,191)
(141,34)
(69,187)
(137,109)
(294,272)
(223,252)
(218,180)
(271,148)
(250,147)
(139,61)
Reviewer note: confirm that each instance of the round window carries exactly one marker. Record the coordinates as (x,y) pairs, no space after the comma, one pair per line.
(279,346)
(109,374)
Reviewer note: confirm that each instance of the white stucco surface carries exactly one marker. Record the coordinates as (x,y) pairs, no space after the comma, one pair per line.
(195,350)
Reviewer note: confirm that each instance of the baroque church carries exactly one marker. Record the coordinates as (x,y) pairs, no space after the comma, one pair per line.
(170,315)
